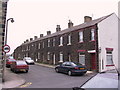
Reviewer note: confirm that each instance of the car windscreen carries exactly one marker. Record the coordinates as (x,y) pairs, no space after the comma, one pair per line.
(21,63)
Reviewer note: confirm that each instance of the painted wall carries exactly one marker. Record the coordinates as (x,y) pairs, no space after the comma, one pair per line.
(108,38)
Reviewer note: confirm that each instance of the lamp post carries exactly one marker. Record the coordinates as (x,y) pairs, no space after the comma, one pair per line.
(4,62)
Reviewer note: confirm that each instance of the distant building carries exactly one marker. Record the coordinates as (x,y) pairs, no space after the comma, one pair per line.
(93,43)
(3,11)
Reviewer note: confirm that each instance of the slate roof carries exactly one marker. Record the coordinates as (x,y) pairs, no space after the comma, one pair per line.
(83,25)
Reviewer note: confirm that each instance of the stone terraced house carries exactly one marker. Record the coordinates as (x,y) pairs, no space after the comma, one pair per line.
(93,43)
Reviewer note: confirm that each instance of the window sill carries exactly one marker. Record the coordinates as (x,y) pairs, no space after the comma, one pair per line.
(81,42)
(60,45)
(109,65)
(92,41)
(69,44)
(61,61)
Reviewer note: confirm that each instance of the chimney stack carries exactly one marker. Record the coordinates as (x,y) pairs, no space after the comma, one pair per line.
(87,18)
(70,24)
(58,28)
(48,32)
(35,37)
(31,39)
(27,40)
(41,35)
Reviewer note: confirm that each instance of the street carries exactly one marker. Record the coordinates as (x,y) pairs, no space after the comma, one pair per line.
(44,77)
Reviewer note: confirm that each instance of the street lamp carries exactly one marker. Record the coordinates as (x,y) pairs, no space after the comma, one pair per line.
(12,20)
(4,62)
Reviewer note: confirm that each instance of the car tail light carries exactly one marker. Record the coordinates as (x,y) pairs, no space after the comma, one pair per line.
(22,66)
(76,68)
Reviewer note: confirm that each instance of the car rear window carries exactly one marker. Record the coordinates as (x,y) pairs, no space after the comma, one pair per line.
(12,60)
(21,63)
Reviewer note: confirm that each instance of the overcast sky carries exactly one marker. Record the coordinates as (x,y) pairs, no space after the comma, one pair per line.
(35,17)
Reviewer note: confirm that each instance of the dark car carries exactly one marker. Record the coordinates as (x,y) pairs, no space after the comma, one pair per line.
(9,62)
(19,66)
(71,68)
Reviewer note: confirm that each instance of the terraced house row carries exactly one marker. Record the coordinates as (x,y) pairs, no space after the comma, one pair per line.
(92,43)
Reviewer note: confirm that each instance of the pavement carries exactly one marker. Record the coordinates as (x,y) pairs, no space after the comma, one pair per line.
(12,80)
(108,79)
(104,80)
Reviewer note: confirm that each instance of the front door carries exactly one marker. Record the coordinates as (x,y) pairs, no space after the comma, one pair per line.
(93,62)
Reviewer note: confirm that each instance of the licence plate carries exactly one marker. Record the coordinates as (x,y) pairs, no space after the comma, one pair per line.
(82,68)
(22,69)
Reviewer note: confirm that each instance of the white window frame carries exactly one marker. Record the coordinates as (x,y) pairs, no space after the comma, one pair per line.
(53,41)
(69,57)
(82,62)
(80,36)
(92,34)
(61,41)
(48,42)
(38,55)
(39,46)
(48,56)
(61,57)
(43,44)
(69,39)
(110,62)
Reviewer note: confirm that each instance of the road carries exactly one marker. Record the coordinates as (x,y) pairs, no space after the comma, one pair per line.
(44,77)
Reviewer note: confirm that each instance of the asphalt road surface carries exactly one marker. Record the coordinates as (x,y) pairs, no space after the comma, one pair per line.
(44,77)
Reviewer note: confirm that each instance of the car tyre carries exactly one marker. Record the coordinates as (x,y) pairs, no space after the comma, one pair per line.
(70,73)
(26,71)
(56,69)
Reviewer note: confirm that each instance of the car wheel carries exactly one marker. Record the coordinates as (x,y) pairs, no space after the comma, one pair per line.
(70,73)
(26,71)
(14,70)
(56,69)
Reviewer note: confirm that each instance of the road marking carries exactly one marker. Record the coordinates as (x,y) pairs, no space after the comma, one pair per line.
(26,85)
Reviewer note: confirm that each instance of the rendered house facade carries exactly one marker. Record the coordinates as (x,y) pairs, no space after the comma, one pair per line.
(84,43)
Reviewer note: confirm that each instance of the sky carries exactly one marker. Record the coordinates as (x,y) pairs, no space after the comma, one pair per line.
(35,17)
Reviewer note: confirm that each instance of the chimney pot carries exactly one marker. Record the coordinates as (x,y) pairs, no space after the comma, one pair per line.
(27,40)
(48,32)
(70,24)
(41,35)
(31,39)
(35,37)
(87,18)
(58,28)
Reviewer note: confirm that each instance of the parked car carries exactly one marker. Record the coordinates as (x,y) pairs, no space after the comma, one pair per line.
(9,62)
(28,60)
(71,68)
(19,65)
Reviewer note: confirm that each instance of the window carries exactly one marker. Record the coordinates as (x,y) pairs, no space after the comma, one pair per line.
(39,46)
(53,41)
(81,36)
(82,59)
(69,57)
(43,44)
(48,55)
(38,55)
(109,57)
(48,42)
(61,41)
(69,39)
(109,60)
(92,34)
(61,57)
